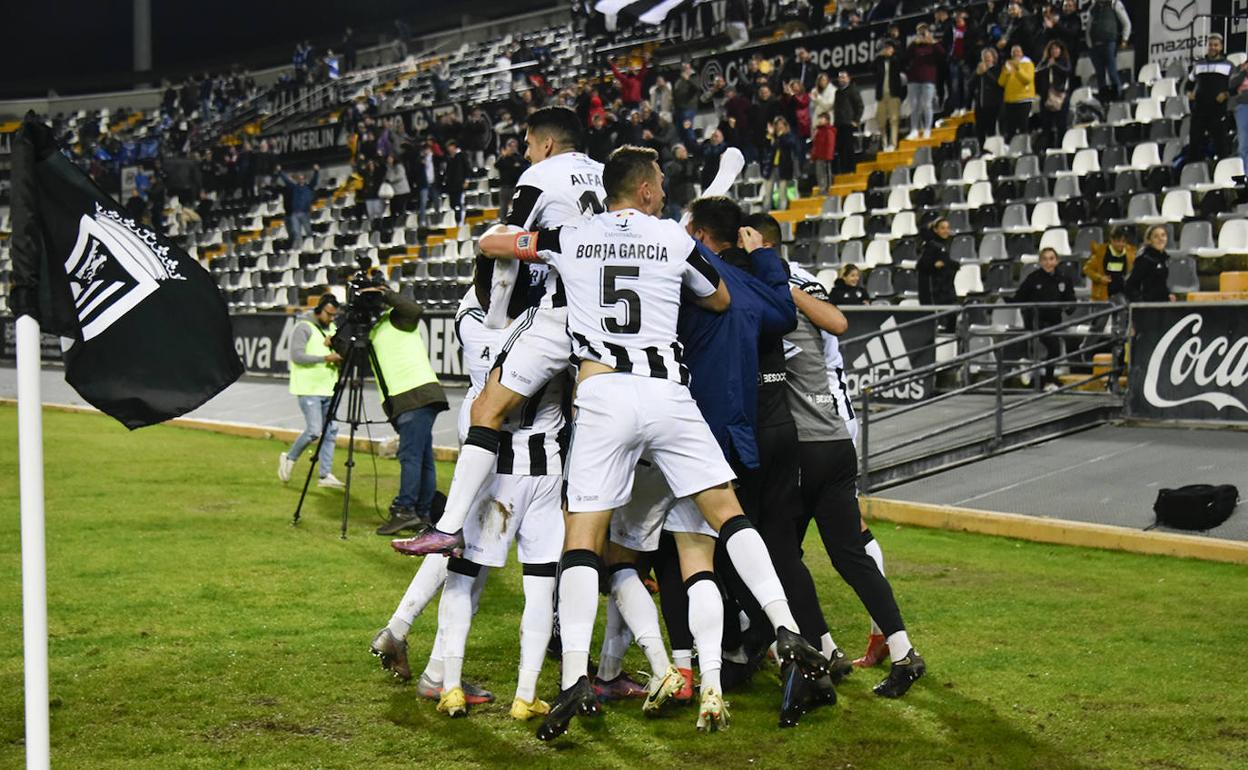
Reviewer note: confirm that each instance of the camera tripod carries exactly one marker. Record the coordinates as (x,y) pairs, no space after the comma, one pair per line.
(351,382)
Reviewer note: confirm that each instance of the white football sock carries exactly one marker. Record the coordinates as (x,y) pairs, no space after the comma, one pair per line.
(898,645)
(434,668)
(454,622)
(616,638)
(420,592)
(682,658)
(642,617)
(473,470)
(477,587)
(750,558)
(535,627)
(827,646)
(578,609)
(706,622)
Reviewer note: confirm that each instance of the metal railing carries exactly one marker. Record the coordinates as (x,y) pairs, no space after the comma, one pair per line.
(1111,339)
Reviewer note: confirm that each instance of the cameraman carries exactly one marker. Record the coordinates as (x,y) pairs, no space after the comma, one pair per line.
(313,374)
(411,398)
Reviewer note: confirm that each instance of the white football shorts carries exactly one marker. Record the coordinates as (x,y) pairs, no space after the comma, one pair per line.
(536,347)
(526,509)
(619,418)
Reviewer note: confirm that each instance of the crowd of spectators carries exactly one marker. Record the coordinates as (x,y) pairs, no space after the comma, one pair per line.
(1013,63)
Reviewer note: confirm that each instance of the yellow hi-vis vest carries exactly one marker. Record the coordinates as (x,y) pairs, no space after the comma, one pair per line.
(314,379)
(402,357)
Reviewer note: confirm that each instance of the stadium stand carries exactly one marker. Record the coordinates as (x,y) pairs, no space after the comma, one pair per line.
(1006,199)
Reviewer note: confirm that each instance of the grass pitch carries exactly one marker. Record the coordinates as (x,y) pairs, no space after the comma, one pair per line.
(192,626)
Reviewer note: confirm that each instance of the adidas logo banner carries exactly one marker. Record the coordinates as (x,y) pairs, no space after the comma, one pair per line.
(145,332)
(888,352)
(1189,361)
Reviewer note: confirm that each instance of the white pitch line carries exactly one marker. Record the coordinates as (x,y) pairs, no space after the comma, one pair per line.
(1017,484)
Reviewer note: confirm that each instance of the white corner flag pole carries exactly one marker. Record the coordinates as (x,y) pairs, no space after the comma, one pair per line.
(34,557)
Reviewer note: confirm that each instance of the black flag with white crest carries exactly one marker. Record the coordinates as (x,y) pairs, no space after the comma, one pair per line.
(147,330)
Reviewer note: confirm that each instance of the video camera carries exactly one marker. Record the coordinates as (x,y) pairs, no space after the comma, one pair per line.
(363,308)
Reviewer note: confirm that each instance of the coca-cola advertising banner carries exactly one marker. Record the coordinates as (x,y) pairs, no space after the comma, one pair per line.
(893,351)
(1189,361)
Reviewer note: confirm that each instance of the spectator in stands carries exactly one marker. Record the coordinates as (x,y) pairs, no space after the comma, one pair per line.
(1054,82)
(455,178)
(1239,87)
(685,94)
(400,188)
(1209,92)
(1108,266)
(712,150)
(349,49)
(425,173)
(988,94)
(846,117)
(661,95)
(736,22)
(714,95)
(1046,285)
(373,176)
(936,269)
(823,151)
(737,109)
(958,45)
(1151,271)
(600,140)
(630,81)
(822,98)
(765,111)
(779,165)
(797,112)
(299,203)
(476,136)
(1109,27)
(412,399)
(888,91)
(802,69)
(680,175)
(510,165)
(925,58)
(313,375)
(1069,29)
(1018,79)
(848,288)
(1022,29)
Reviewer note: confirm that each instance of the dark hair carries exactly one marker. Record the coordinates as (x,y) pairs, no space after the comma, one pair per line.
(766,225)
(1049,248)
(1119,232)
(627,167)
(560,123)
(848,268)
(719,215)
(326,300)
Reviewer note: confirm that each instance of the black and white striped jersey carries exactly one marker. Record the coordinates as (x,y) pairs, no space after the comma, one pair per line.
(532,436)
(561,190)
(624,272)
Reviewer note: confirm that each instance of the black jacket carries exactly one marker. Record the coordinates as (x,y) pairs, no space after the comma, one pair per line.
(844,295)
(1149,276)
(936,283)
(848,108)
(681,176)
(456,173)
(895,86)
(989,95)
(1055,76)
(1040,286)
(510,167)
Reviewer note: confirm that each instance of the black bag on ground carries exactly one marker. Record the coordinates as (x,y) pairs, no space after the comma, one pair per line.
(1197,507)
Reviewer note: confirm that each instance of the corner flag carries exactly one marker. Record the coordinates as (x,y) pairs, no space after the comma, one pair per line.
(148,332)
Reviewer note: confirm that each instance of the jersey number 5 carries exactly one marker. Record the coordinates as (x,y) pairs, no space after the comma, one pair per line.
(613,295)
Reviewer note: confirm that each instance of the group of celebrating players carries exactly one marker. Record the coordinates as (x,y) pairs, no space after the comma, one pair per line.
(647,395)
